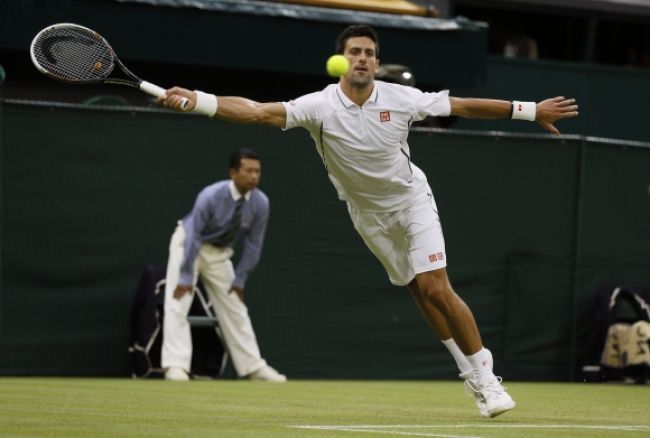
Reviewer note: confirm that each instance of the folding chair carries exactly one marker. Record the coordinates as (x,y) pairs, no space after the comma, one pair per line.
(147,319)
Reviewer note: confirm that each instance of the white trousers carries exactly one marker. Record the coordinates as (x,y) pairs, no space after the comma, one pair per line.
(215,269)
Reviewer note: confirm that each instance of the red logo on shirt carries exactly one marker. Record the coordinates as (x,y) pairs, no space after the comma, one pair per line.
(384,116)
(433,258)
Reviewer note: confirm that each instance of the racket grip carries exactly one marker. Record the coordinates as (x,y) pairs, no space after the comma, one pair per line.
(152,89)
(157,91)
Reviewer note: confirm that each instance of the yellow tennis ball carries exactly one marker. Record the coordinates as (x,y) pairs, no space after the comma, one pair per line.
(337,65)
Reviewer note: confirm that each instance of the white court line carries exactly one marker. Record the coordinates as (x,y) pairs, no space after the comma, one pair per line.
(390,428)
(370,429)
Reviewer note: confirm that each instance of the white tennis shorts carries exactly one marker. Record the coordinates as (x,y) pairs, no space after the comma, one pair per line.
(406,242)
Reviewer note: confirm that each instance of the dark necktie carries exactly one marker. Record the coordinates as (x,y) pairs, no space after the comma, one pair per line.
(233,227)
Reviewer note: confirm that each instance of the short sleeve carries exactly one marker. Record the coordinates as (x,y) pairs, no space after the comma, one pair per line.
(432,104)
(304,111)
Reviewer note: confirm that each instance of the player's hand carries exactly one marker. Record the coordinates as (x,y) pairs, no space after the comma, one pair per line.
(174,97)
(181,290)
(551,110)
(239,291)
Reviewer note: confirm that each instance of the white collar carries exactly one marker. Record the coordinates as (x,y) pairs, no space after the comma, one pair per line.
(345,100)
(235,193)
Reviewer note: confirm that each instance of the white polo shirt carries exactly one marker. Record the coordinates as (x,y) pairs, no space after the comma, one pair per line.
(364,148)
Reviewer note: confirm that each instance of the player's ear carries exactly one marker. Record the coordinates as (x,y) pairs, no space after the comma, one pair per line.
(377,66)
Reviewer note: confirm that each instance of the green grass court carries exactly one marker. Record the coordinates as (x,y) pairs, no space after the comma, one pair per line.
(76,407)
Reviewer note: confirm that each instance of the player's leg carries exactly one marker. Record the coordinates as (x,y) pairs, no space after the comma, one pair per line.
(411,242)
(491,397)
(217,274)
(445,311)
(435,287)
(438,324)
(378,231)
(176,354)
(428,260)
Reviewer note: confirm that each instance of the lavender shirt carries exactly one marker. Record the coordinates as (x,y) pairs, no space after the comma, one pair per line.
(209,219)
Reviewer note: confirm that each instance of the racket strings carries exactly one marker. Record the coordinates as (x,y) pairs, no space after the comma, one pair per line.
(74,54)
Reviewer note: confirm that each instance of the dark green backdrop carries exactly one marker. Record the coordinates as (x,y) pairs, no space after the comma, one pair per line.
(533,224)
(610,99)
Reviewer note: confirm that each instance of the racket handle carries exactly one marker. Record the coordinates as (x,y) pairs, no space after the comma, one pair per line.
(157,91)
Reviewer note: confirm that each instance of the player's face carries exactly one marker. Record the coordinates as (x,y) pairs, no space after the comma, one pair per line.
(361,52)
(247,177)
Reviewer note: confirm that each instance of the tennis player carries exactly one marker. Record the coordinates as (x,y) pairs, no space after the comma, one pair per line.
(360,127)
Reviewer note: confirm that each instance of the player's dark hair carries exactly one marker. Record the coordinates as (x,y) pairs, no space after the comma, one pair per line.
(238,155)
(355,31)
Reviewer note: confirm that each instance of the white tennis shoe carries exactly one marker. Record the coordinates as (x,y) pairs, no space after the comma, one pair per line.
(268,374)
(176,374)
(491,397)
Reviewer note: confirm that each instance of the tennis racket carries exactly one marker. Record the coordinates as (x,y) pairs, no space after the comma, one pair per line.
(78,55)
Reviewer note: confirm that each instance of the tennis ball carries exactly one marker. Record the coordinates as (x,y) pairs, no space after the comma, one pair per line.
(337,65)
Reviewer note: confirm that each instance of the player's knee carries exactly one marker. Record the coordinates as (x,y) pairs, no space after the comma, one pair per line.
(438,292)
(436,287)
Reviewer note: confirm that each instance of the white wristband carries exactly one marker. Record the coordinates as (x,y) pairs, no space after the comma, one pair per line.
(205,103)
(523,110)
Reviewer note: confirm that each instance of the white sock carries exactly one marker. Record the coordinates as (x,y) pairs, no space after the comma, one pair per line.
(461,361)
(480,364)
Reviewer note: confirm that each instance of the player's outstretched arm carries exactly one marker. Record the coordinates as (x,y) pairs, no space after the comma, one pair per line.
(232,109)
(546,112)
